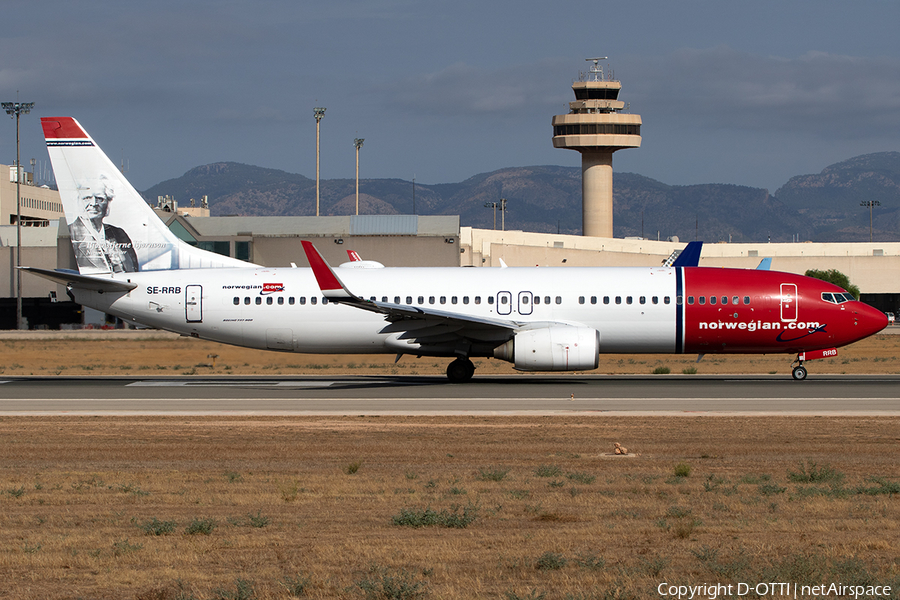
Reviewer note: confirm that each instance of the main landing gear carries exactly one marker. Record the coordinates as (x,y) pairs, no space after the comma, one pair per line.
(460,370)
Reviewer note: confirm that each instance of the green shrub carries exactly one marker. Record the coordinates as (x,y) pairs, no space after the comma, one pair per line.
(156,527)
(492,474)
(353,467)
(682,470)
(201,526)
(427,517)
(550,561)
(548,471)
(810,472)
(381,583)
(661,371)
(584,478)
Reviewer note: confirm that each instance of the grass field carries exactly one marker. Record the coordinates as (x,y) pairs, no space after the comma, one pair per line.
(417,507)
(179,508)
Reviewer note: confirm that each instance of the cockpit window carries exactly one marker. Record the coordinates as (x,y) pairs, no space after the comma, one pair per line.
(837,298)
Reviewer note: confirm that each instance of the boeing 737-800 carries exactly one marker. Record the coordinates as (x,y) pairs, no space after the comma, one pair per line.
(539,318)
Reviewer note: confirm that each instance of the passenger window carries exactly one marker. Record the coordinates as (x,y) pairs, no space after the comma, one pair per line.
(605,299)
(312,300)
(746,299)
(537,299)
(667,301)
(396,299)
(546,299)
(628,300)
(324,301)
(409,299)
(734,300)
(258,300)
(302,300)
(384,298)
(280,300)
(701,300)
(618,299)
(580,299)
(269,301)
(490,299)
(559,299)
(372,298)
(291,300)
(247,300)
(593,299)
(642,300)
(724,299)
(712,299)
(524,299)
(690,299)
(477,299)
(465,299)
(452,299)
(237,300)
(655,299)
(443,299)
(503,300)
(421,299)
(679,300)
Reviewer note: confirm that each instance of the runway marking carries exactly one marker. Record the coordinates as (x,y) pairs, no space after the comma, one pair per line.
(256,384)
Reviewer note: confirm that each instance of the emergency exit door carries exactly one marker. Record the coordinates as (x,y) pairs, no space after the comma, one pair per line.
(193,303)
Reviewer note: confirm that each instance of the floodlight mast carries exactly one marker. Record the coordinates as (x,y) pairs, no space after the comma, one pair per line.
(358,142)
(15,109)
(318,113)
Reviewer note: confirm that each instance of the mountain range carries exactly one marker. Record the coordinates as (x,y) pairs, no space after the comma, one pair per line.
(830,206)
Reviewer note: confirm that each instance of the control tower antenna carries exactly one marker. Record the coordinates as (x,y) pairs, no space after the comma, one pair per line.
(596,128)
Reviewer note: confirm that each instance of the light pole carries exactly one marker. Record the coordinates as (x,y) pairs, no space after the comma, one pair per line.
(358,142)
(493,206)
(15,109)
(502,214)
(870,204)
(318,112)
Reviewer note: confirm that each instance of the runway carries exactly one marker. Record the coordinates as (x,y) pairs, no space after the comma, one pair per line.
(418,395)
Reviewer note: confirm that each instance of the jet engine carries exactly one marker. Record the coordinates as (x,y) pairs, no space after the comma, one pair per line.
(557,348)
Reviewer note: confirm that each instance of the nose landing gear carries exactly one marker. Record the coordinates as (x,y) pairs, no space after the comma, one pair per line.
(799,372)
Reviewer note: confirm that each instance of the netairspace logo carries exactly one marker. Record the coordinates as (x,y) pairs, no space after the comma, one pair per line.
(711,591)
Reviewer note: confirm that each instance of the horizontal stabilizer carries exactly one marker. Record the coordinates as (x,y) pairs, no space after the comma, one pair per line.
(84,282)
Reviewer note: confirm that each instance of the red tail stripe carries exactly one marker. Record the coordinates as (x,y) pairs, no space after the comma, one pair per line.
(62,128)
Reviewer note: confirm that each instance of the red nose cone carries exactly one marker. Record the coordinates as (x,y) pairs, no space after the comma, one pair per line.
(869,320)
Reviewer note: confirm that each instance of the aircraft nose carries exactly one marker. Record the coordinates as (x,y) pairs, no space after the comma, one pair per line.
(869,320)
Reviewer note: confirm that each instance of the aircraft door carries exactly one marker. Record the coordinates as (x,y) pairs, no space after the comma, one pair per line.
(504,303)
(789,301)
(193,303)
(525,301)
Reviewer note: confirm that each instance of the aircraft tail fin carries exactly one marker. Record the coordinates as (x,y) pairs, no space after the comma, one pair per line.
(113,229)
(765,264)
(690,256)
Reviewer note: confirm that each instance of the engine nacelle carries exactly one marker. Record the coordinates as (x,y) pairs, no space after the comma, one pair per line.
(558,348)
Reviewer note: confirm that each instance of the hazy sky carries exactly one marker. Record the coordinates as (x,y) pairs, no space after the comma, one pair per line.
(749,93)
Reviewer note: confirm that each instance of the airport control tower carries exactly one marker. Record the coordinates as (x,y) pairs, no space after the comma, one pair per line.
(596,128)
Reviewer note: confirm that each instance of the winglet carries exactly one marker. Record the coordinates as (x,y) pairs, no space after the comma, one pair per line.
(332,287)
(690,256)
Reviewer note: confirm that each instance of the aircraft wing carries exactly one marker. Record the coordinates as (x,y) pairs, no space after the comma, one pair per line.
(422,325)
(85,282)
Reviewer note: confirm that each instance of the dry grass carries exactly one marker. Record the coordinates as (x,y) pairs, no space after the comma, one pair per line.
(143,353)
(78,496)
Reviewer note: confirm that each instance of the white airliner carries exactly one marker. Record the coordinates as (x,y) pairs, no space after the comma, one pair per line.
(541,319)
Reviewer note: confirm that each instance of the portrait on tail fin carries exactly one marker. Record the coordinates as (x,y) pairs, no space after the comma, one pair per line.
(99,246)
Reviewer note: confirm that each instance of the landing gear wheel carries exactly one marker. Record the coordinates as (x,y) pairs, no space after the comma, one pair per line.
(460,370)
(799,373)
